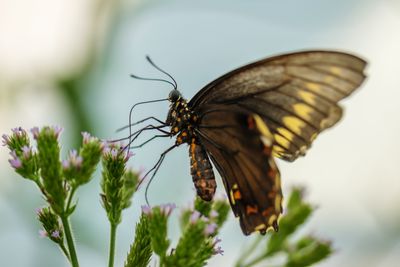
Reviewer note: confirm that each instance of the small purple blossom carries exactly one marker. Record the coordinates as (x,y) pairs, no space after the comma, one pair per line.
(217,250)
(57,130)
(114,153)
(166,209)
(146,209)
(6,140)
(55,234)
(18,131)
(35,132)
(26,152)
(42,233)
(87,137)
(210,229)
(194,217)
(38,211)
(16,163)
(73,160)
(65,164)
(213,214)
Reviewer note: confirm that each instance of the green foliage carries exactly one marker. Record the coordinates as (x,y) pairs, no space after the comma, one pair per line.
(115,193)
(140,251)
(306,251)
(58,181)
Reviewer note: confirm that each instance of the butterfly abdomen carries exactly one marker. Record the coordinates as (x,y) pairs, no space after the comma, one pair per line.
(201,170)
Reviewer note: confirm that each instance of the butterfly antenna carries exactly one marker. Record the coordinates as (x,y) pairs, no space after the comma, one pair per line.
(163,71)
(153,79)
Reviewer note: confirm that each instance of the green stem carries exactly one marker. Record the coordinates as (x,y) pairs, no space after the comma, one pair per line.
(255,261)
(70,199)
(113,232)
(64,250)
(246,254)
(70,241)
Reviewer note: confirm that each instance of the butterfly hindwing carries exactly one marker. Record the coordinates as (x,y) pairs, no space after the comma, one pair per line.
(240,146)
(295,94)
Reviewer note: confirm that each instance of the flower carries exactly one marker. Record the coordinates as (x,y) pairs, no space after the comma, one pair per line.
(217,250)
(55,234)
(6,140)
(35,132)
(166,209)
(146,209)
(210,229)
(26,152)
(15,163)
(194,217)
(57,130)
(213,214)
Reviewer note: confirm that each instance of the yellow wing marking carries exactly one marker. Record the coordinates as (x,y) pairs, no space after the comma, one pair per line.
(304,111)
(294,124)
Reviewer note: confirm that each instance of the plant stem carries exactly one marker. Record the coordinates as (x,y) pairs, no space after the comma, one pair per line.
(70,241)
(113,232)
(255,261)
(246,254)
(64,250)
(70,199)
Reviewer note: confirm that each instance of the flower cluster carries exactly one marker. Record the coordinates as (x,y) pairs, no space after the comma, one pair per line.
(51,225)
(118,184)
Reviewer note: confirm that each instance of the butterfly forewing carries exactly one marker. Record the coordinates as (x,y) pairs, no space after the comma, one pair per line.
(239,144)
(295,94)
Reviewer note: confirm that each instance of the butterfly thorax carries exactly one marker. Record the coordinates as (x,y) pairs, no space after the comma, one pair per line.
(182,121)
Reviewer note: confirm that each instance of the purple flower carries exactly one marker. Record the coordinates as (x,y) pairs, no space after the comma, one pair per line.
(15,163)
(213,214)
(194,217)
(42,233)
(65,164)
(57,130)
(74,160)
(210,229)
(114,153)
(146,209)
(86,137)
(167,208)
(217,250)
(26,152)
(18,131)
(55,234)
(38,211)
(35,132)
(6,140)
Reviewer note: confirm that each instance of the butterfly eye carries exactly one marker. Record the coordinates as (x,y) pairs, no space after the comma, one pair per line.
(174,95)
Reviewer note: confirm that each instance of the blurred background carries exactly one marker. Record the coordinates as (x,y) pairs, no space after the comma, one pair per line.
(68,63)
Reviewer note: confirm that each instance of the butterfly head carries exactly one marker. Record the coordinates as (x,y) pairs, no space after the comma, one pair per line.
(174,96)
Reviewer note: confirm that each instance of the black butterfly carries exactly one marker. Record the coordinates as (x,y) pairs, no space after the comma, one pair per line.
(274,107)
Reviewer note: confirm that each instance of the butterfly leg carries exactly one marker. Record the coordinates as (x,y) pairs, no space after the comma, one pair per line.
(154,169)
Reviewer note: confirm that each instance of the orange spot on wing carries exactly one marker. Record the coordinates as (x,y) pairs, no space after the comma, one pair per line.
(237,195)
(267,212)
(251,209)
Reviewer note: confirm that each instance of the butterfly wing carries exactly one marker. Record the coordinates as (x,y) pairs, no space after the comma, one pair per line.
(240,146)
(296,94)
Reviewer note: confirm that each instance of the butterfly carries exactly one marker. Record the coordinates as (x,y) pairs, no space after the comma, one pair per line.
(242,121)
